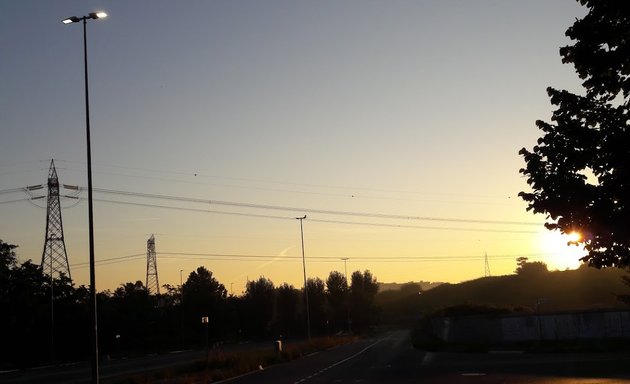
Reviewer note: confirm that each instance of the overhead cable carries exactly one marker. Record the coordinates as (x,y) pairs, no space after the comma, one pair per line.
(311,210)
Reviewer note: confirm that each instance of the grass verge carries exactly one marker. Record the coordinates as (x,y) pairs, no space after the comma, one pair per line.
(222,365)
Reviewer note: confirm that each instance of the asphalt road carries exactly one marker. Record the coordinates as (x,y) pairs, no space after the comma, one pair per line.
(80,373)
(387,359)
(392,359)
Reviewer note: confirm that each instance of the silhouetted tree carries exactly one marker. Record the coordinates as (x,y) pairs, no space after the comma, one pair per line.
(67,311)
(25,320)
(525,267)
(203,296)
(317,304)
(258,306)
(171,295)
(337,289)
(363,290)
(134,316)
(8,261)
(580,167)
(287,304)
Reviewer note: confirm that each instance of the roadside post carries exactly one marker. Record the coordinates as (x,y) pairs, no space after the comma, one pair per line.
(206,320)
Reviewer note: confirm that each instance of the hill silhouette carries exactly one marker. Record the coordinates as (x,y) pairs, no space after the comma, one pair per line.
(583,289)
(424,285)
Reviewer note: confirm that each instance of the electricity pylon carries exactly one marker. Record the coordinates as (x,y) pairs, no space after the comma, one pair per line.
(152,284)
(487,272)
(54,256)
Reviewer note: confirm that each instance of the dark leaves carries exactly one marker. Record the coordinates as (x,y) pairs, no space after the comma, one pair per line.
(579,171)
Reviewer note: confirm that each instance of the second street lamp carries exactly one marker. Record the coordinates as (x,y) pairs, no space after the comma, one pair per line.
(308,316)
(93,312)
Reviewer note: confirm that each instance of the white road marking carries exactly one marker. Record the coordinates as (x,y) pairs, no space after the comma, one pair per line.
(338,362)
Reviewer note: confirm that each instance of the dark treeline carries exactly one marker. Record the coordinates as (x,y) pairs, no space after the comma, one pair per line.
(40,324)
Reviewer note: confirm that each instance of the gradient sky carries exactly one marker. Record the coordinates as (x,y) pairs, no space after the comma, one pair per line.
(375,108)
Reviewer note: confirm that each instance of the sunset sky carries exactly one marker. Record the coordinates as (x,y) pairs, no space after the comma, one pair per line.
(394,126)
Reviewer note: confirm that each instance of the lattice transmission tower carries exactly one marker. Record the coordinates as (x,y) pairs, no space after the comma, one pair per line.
(54,256)
(487,271)
(152,283)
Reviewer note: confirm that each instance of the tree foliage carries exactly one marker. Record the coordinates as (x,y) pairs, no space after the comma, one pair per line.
(203,294)
(529,268)
(318,305)
(287,304)
(579,171)
(363,290)
(258,307)
(337,288)
(132,321)
(7,257)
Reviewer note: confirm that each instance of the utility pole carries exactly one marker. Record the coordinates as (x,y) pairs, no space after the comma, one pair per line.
(345,270)
(345,267)
(308,315)
(181,306)
(93,306)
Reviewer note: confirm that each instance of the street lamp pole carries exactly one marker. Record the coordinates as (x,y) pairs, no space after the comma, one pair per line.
(345,267)
(93,310)
(308,316)
(181,306)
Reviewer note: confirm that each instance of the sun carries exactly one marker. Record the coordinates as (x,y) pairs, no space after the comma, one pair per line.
(556,251)
(573,236)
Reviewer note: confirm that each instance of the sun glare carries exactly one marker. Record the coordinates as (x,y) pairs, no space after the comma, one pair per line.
(558,254)
(573,236)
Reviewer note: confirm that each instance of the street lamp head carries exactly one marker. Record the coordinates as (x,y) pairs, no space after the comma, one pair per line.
(70,20)
(98,15)
(92,15)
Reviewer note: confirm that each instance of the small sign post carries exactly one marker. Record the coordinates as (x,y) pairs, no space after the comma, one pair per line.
(206,320)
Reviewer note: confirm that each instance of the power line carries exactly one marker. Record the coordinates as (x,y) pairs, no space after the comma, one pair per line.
(15,201)
(492,230)
(422,227)
(363,258)
(112,260)
(11,190)
(311,210)
(291,209)
(200,174)
(315,220)
(191,209)
(321,259)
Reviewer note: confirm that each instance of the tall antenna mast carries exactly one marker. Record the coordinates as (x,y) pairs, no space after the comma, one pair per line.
(54,256)
(152,284)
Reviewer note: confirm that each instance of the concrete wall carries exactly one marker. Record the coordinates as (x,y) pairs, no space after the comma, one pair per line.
(548,327)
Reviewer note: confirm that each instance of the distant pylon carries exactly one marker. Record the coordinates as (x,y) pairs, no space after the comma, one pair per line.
(152,284)
(54,256)
(487,272)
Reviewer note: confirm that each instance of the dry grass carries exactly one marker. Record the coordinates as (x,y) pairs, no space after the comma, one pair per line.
(222,365)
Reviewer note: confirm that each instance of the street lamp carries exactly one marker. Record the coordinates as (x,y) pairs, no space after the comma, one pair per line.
(345,267)
(181,306)
(91,15)
(93,312)
(308,316)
